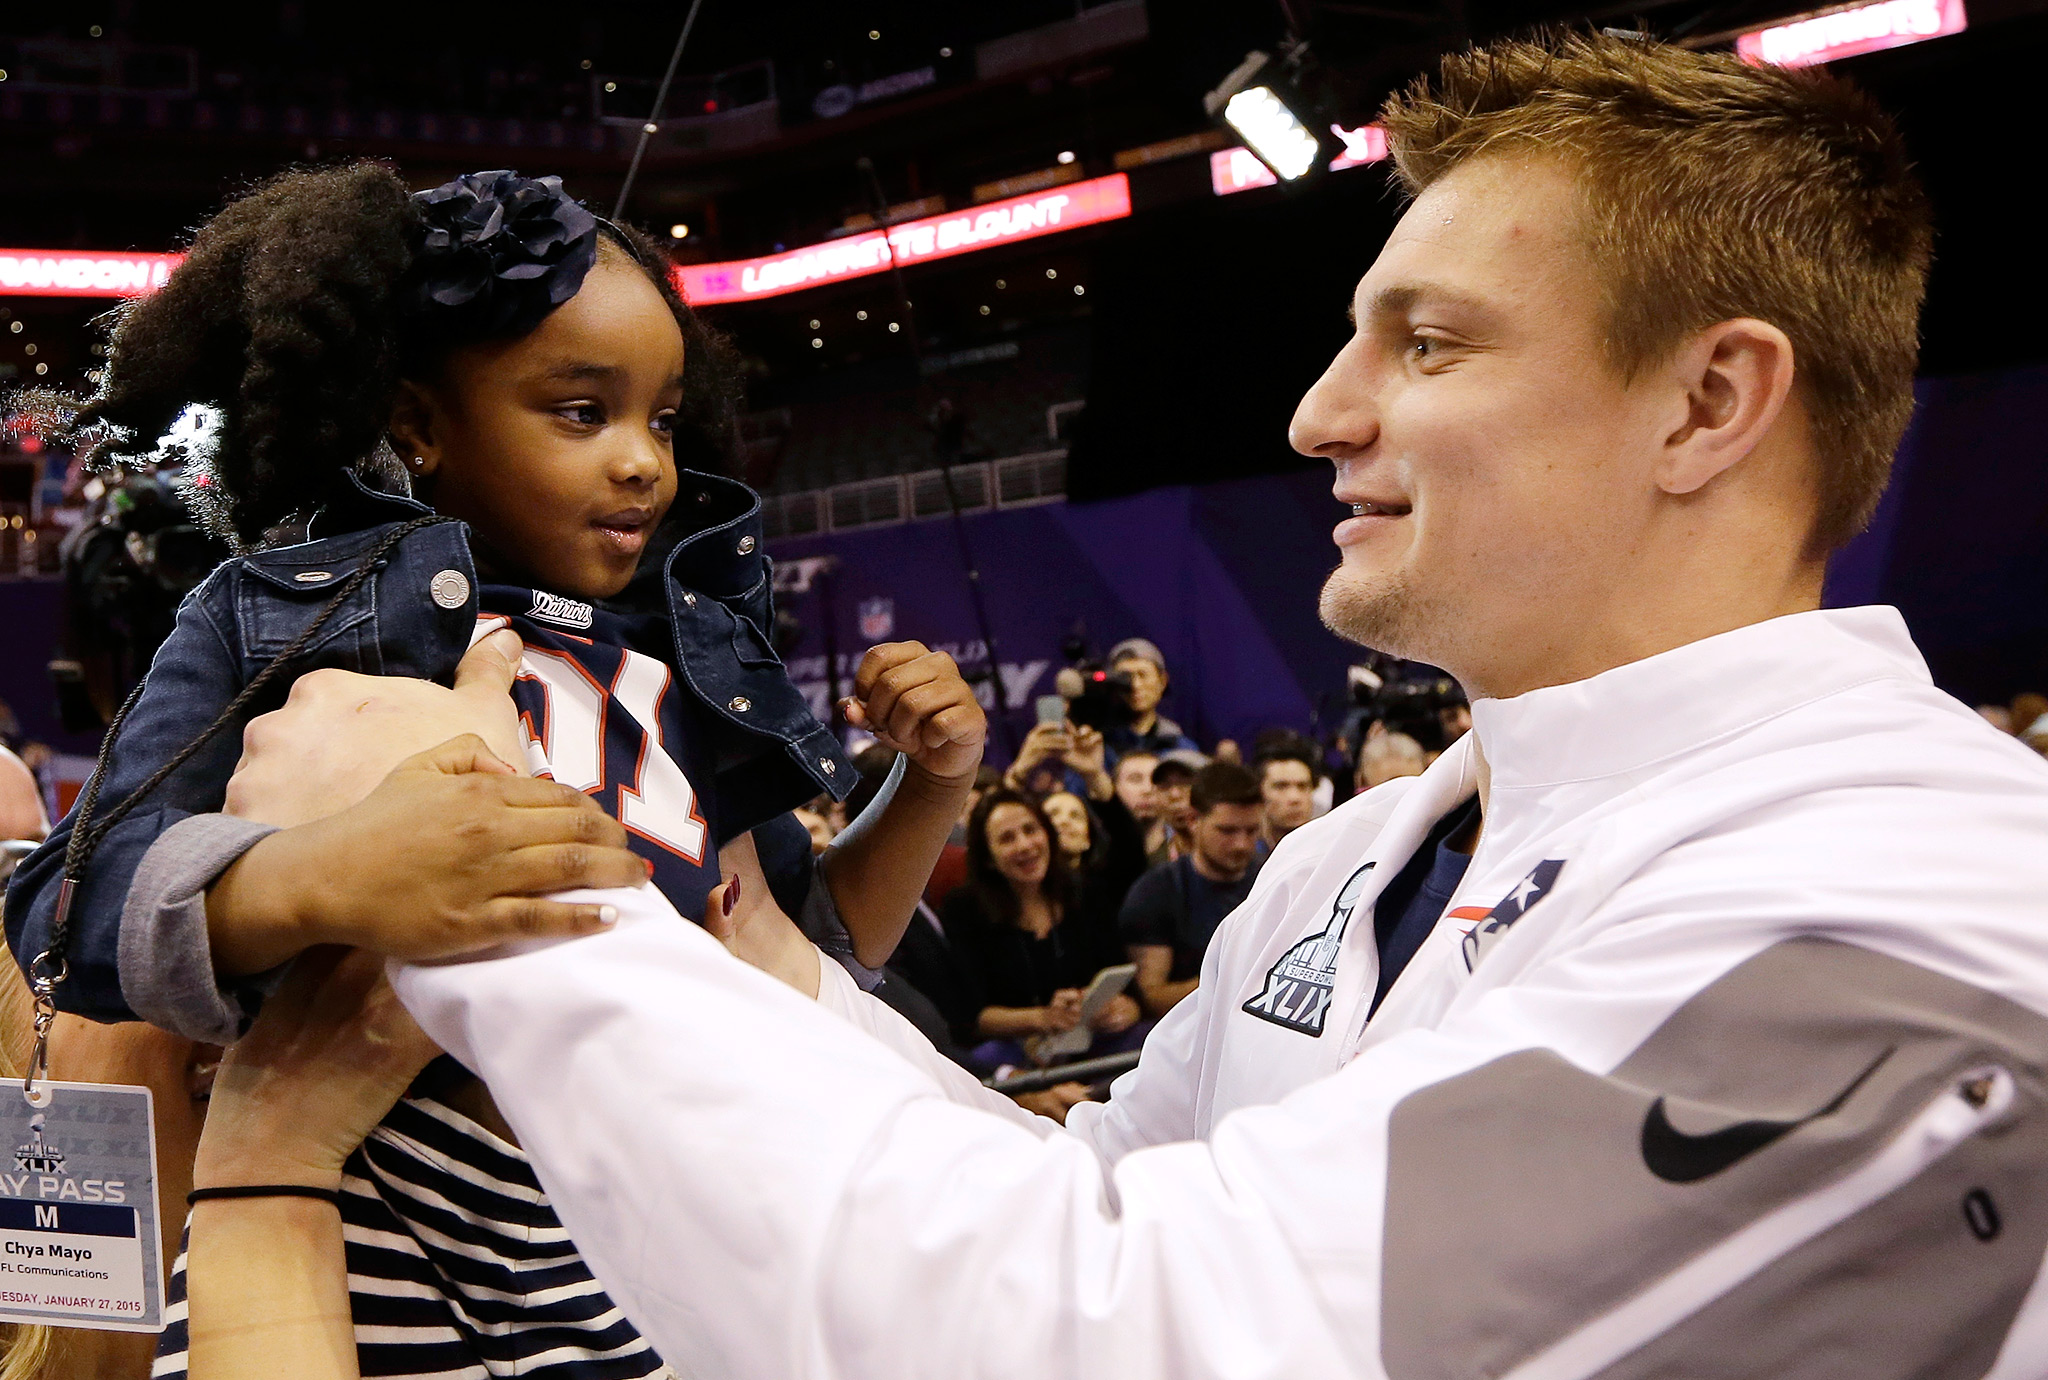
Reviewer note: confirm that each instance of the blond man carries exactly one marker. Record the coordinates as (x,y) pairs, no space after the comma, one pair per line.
(1688,1017)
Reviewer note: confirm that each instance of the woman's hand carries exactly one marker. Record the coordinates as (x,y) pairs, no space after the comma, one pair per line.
(327,1059)
(914,700)
(451,854)
(1117,1015)
(1063,1013)
(743,916)
(1055,1101)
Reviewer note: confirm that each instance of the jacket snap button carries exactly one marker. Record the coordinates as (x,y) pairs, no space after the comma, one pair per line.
(450,589)
(739,704)
(313,577)
(828,766)
(689,599)
(746,546)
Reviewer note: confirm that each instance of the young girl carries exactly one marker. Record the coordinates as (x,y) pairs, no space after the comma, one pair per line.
(495,412)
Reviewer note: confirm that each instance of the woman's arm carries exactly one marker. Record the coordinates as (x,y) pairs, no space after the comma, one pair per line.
(1009,1022)
(266,1275)
(266,1282)
(912,700)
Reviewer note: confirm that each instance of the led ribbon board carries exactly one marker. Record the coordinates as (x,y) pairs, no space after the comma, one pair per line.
(1826,35)
(82,273)
(67,273)
(915,242)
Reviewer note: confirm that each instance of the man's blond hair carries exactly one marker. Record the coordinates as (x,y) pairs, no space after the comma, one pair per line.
(1714,190)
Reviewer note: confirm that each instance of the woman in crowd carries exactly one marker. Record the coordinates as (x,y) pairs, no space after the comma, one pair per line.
(1103,846)
(1030,936)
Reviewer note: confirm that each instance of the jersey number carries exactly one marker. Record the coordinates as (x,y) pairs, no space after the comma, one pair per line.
(658,803)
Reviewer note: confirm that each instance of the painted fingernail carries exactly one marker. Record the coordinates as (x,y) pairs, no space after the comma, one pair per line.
(649,862)
(607,915)
(732,895)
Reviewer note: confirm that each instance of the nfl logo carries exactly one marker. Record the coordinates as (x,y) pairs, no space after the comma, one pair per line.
(877,618)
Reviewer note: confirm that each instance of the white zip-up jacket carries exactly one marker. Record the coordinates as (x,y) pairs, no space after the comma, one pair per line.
(1727,1059)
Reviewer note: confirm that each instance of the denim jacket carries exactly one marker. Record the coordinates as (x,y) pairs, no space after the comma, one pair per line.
(413,617)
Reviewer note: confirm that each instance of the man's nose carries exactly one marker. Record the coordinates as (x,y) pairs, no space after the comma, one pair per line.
(1337,416)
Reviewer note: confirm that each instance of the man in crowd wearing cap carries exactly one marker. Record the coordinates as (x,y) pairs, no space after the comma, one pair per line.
(1144,666)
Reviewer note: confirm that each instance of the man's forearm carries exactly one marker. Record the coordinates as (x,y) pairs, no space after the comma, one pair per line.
(878,868)
(1162,997)
(668,1093)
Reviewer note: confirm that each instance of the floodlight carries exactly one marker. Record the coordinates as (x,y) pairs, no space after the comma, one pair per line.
(1261,101)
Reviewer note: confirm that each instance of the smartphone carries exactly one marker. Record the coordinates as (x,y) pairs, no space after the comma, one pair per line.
(1051,709)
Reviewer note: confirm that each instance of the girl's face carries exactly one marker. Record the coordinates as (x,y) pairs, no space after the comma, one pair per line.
(558,448)
(1017,842)
(1069,820)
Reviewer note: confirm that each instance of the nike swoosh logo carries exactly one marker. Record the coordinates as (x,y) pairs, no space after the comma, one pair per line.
(1678,1158)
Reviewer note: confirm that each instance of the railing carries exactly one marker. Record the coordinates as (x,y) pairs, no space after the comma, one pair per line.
(1020,481)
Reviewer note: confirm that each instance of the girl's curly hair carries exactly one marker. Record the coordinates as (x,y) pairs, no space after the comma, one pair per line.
(286,318)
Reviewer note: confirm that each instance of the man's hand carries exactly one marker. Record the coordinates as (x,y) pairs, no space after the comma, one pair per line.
(451,853)
(340,733)
(914,700)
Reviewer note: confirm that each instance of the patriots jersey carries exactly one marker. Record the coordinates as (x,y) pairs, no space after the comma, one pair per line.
(602,712)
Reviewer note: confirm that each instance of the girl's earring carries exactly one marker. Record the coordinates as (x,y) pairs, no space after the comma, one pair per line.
(419,462)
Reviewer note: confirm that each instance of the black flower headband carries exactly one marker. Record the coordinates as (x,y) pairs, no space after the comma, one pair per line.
(500,251)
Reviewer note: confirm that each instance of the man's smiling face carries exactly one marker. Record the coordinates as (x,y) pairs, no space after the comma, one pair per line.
(1503,463)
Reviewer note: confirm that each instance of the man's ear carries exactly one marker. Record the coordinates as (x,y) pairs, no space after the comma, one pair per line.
(413,429)
(1736,376)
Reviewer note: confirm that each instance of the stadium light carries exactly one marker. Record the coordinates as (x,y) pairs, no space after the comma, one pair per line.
(1262,103)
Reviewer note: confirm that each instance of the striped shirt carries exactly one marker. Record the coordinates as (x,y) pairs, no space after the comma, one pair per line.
(457,1266)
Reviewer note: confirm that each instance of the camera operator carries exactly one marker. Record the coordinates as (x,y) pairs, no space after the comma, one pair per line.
(1123,701)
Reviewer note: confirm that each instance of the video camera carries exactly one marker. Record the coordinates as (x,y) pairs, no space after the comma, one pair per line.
(1407,696)
(1101,698)
(1097,697)
(126,570)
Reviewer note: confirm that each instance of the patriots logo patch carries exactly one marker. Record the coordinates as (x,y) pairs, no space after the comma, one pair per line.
(1489,925)
(570,613)
(1297,988)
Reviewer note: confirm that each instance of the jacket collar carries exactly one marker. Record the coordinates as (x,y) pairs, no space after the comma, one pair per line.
(710,540)
(1637,716)
(353,506)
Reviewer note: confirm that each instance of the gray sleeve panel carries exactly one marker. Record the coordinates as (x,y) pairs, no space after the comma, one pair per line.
(1529,1197)
(166,959)
(822,925)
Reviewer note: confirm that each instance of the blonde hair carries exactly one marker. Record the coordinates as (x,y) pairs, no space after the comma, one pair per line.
(1713,190)
(27,1350)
